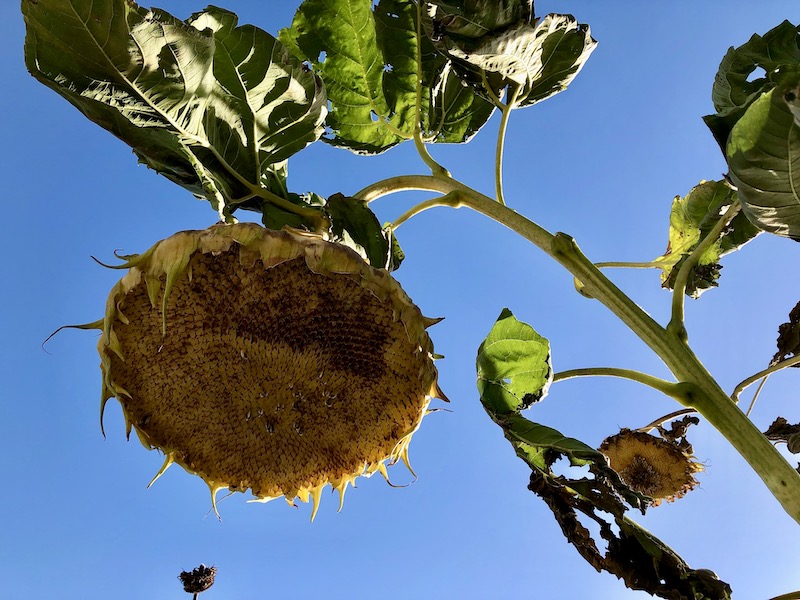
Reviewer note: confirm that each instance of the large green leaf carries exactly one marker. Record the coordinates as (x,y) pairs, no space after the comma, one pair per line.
(370,102)
(691,220)
(533,60)
(366,53)
(735,88)
(764,160)
(450,112)
(513,366)
(206,103)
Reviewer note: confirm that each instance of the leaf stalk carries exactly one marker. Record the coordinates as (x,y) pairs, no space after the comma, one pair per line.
(677,391)
(677,325)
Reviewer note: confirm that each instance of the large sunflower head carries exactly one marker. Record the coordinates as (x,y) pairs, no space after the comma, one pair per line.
(269,361)
(651,465)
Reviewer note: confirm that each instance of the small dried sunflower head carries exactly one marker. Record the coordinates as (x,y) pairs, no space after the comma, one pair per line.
(651,465)
(266,360)
(198,579)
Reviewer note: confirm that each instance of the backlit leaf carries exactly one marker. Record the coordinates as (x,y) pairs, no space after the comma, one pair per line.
(369,109)
(533,60)
(764,160)
(366,54)
(513,366)
(691,219)
(735,87)
(473,19)
(206,103)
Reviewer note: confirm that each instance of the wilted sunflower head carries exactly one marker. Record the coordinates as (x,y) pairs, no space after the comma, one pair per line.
(266,360)
(651,465)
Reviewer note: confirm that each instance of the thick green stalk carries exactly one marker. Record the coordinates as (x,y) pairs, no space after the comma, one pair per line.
(702,392)
(708,398)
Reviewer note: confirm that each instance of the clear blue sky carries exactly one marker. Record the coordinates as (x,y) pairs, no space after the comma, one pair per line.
(601,161)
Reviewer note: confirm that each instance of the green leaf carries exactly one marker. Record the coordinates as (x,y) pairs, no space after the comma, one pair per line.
(355,225)
(534,60)
(691,219)
(206,103)
(764,160)
(734,87)
(456,112)
(369,110)
(473,19)
(277,217)
(450,112)
(513,367)
(530,435)
(368,60)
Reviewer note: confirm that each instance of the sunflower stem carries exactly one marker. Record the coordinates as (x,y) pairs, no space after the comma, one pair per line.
(703,394)
(505,111)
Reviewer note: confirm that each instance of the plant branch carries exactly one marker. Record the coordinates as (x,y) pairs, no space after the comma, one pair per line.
(404,183)
(676,325)
(789,596)
(452,199)
(627,265)
(756,395)
(705,395)
(661,420)
(677,391)
(789,362)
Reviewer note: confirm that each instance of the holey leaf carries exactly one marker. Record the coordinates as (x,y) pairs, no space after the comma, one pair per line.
(513,364)
(764,160)
(206,103)
(691,219)
(368,86)
(366,53)
(737,84)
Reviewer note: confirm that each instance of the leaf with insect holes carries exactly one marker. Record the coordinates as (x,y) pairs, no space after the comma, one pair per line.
(366,54)
(513,366)
(372,106)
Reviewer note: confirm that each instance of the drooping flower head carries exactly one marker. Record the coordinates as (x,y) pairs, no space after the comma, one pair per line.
(651,465)
(270,361)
